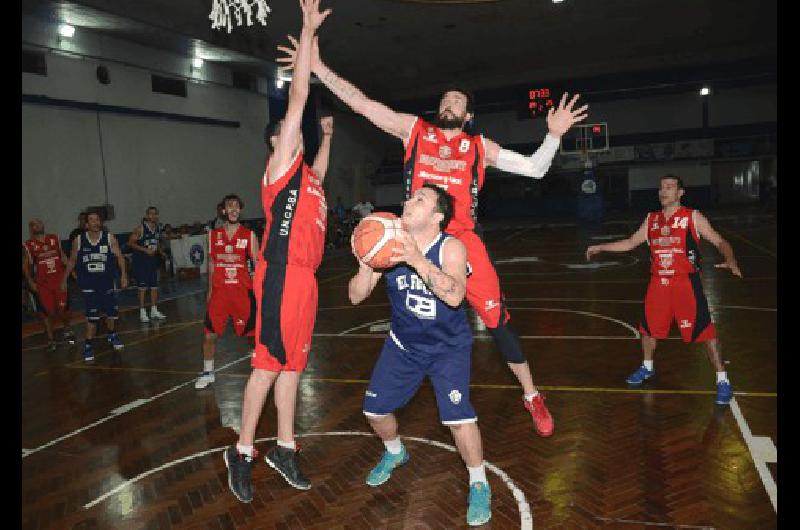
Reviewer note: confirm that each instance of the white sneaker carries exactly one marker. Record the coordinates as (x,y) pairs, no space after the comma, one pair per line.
(205,379)
(155,313)
(143,315)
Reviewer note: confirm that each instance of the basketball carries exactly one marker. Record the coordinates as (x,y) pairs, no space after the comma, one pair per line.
(373,239)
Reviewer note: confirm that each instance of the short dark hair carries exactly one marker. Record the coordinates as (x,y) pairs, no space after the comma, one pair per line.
(273,128)
(676,178)
(232,197)
(151,208)
(461,90)
(444,204)
(98,213)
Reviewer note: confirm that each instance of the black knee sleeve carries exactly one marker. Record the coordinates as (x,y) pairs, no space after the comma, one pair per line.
(507,342)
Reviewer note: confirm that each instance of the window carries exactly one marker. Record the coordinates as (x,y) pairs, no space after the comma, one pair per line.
(34,62)
(166,85)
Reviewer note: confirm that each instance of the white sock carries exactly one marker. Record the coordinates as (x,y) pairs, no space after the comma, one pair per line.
(287,445)
(722,376)
(394,446)
(153,308)
(477,474)
(208,366)
(143,310)
(245,449)
(529,397)
(648,364)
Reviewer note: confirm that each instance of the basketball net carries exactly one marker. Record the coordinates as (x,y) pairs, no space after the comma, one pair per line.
(226,13)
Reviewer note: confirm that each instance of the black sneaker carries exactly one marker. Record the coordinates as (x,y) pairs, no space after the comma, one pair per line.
(239,469)
(284,461)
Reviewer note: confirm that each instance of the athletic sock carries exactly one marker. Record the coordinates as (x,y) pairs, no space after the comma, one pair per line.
(394,446)
(208,366)
(722,376)
(477,474)
(648,364)
(529,397)
(287,445)
(245,450)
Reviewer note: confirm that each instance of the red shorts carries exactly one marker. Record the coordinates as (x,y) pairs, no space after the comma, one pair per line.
(483,285)
(286,301)
(680,298)
(238,304)
(50,299)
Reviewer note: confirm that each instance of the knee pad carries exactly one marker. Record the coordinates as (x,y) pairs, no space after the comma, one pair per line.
(507,342)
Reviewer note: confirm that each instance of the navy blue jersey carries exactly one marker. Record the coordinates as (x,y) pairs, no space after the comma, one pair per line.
(421,322)
(149,238)
(96,266)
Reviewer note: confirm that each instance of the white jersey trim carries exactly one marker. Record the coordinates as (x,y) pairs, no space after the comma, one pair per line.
(396,340)
(461,422)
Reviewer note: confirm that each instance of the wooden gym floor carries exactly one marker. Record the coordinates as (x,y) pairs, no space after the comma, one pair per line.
(127,442)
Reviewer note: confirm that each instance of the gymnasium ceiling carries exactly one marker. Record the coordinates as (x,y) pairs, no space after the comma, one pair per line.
(398,49)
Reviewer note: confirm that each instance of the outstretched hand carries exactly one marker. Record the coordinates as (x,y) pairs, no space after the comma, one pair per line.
(312,18)
(291,54)
(733,267)
(592,251)
(561,119)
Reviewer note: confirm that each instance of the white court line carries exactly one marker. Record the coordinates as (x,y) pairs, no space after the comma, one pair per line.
(124,409)
(753,444)
(751,308)
(490,338)
(363,325)
(525,517)
(516,234)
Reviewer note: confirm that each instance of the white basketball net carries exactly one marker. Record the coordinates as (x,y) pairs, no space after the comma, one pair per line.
(226,13)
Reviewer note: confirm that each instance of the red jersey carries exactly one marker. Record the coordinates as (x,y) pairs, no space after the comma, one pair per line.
(46,257)
(230,257)
(296,215)
(455,165)
(674,243)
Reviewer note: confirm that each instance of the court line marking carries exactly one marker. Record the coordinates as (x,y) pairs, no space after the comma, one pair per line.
(754,245)
(485,386)
(648,523)
(751,308)
(126,332)
(123,409)
(477,336)
(758,460)
(516,234)
(525,516)
(105,353)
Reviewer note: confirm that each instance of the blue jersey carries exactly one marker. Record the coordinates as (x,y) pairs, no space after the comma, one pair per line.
(96,265)
(421,322)
(149,238)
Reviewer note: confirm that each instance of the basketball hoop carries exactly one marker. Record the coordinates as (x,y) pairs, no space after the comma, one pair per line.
(226,13)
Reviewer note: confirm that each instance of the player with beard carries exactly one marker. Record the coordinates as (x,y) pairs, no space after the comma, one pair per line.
(230,288)
(442,153)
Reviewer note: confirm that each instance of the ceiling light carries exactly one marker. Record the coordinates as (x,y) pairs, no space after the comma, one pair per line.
(705,91)
(65,30)
(197,62)
(557,1)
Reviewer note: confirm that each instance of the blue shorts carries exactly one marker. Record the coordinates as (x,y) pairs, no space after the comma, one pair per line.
(399,373)
(98,302)
(145,270)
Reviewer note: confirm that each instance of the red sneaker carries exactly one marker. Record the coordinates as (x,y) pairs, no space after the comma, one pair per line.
(542,419)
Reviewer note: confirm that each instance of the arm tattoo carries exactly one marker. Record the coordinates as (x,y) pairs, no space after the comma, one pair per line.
(341,88)
(440,282)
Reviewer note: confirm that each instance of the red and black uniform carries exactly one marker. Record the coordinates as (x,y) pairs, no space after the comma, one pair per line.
(457,166)
(285,283)
(45,256)
(231,285)
(675,290)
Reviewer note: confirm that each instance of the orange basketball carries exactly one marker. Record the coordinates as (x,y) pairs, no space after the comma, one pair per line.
(373,239)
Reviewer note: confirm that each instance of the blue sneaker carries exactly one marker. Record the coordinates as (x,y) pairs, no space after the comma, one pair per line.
(88,352)
(724,393)
(640,375)
(115,342)
(383,470)
(480,504)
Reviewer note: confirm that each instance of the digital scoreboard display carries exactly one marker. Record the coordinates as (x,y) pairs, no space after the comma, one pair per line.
(540,100)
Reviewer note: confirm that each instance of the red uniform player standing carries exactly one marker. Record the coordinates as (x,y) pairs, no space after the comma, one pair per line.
(676,291)
(230,288)
(285,284)
(43,253)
